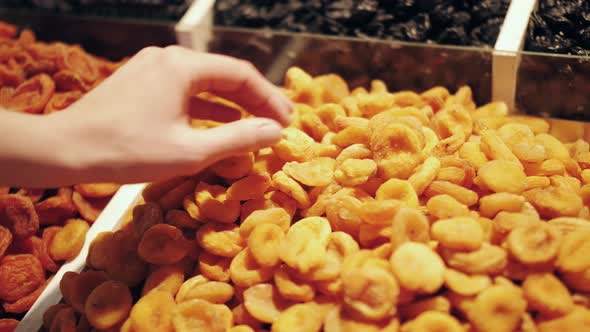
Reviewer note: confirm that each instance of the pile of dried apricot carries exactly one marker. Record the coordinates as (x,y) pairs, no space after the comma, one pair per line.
(42,228)
(377,211)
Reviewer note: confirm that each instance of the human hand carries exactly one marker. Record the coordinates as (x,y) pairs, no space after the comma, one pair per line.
(134,127)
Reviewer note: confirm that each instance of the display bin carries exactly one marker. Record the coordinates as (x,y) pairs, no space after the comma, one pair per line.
(116,211)
(544,85)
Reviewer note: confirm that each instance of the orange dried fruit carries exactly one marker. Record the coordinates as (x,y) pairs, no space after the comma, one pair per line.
(153,312)
(459,233)
(546,294)
(418,268)
(245,272)
(108,304)
(164,278)
(250,187)
(214,267)
(265,242)
(264,302)
(213,203)
(220,239)
(234,167)
(17,213)
(200,315)
(68,241)
(20,275)
(97,190)
(89,208)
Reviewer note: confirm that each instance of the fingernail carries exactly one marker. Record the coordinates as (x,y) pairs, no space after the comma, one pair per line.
(269,130)
(282,108)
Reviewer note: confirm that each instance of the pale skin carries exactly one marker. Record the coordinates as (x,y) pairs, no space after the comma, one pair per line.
(135,126)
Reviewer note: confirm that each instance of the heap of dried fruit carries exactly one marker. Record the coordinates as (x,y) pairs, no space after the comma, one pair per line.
(377,211)
(40,229)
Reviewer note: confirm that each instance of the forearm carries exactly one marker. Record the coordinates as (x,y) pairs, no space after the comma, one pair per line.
(33,152)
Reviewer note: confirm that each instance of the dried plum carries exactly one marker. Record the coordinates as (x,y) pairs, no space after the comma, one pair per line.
(458,22)
(560,26)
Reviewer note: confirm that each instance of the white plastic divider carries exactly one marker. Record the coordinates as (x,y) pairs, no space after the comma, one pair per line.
(109,219)
(506,56)
(194,30)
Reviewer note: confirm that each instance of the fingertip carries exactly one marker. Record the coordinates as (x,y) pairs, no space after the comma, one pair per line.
(281,108)
(268,130)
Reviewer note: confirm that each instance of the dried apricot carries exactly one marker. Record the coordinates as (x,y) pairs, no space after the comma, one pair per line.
(80,286)
(432,321)
(5,240)
(498,308)
(573,252)
(250,187)
(200,288)
(445,206)
(163,244)
(97,190)
(153,312)
(464,284)
(264,302)
(418,268)
(409,225)
(214,267)
(145,216)
(265,243)
(220,239)
(291,287)
(68,241)
(282,182)
(108,304)
(245,272)
(305,245)
(19,275)
(213,203)
(89,208)
(234,167)
(303,317)
(200,315)
(534,243)
(547,295)
(17,213)
(164,278)
(488,259)
(459,233)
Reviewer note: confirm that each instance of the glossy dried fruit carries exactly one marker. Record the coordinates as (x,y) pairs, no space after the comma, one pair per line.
(153,312)
(572,256)
(245,272)
(19,275)
(220,239)
(108,304)
(418,268)
(68,241)
(497,308)
(5,240)
(214,267)
(304,247)
(18,214)
(164,278)
(213,203)
(303,317)
(535,243)
(163,244)
(409,225)
(265,242)
(89,208)
(200,288)
(459,233)
(264,302)
(465,284)
(97,190)
(200,315)
(250,187)
(547,295)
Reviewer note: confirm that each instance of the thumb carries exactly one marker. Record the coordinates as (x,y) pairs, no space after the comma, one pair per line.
(237,137)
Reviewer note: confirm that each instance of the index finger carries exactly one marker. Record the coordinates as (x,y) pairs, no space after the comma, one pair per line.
(238,81)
